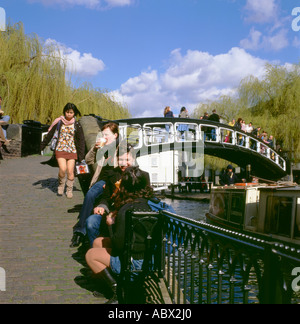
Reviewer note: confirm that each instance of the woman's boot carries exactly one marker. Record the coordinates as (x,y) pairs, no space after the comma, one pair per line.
(69,191)
(106,277)
(61,186)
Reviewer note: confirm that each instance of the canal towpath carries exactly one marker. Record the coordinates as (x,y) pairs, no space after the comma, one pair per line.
(35,233)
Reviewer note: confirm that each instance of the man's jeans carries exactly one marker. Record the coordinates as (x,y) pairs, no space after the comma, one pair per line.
(93,227)
(88,205)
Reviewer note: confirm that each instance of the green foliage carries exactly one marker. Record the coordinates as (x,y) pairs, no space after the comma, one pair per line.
(33,82)
(272,103)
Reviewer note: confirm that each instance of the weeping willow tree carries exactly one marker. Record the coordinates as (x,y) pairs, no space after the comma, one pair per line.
(272,103)
(275,105)
(33,82)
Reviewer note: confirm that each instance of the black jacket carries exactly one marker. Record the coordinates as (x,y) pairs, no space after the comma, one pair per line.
(214,117)
(78,139)
(118,237)
(227,179)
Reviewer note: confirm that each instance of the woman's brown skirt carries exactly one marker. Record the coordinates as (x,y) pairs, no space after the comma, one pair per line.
(65,155)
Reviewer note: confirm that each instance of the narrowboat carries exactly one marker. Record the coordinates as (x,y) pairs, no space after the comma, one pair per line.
(271,212)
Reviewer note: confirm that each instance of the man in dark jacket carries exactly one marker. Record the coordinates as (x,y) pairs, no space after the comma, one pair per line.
(95,222)
(229,177)
(215,118)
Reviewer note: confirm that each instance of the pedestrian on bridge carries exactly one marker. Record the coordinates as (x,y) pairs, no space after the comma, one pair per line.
(168,113)
(182,128)
(215,118)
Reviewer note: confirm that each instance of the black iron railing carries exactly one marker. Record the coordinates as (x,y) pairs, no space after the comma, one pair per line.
(204,264)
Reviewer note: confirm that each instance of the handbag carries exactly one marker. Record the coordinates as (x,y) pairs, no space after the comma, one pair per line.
(54,138)
(81,168)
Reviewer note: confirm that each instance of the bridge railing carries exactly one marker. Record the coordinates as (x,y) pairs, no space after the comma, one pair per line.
(162,132)
(204,264)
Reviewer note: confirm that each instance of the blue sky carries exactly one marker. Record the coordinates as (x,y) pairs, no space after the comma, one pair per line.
(154,53)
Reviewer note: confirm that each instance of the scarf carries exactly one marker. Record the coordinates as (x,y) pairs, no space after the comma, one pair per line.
(63,119)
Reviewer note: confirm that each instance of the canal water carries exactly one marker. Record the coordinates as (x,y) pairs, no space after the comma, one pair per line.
(195,210)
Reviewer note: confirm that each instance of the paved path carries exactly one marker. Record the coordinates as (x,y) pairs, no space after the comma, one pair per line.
(35,233)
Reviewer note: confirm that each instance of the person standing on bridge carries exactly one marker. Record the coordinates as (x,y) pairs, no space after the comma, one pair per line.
(70,147)
(182,128)
(168,113)
(215,118)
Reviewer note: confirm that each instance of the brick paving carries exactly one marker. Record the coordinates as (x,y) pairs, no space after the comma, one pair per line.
(35,233)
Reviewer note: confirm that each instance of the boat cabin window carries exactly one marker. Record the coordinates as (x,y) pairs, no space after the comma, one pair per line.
(279,216)
(229,206)
(237,208)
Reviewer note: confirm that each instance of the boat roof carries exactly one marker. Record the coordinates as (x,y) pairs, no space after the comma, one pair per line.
(281,186)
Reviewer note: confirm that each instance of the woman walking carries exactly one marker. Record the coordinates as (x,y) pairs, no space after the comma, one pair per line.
(69,148)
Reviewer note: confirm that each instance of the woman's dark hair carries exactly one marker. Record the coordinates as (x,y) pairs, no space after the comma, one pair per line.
(134,184)
(70,106)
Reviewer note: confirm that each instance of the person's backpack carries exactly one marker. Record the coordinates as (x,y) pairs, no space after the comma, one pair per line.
(158,205)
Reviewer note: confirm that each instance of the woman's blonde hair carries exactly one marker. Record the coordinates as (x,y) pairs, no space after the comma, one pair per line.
(166,110)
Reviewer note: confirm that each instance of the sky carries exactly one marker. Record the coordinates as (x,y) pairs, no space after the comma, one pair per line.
(149,54)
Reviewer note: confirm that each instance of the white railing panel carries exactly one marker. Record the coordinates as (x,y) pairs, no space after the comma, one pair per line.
(159,132)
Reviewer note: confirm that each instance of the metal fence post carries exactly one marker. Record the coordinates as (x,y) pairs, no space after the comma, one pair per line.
(271,292)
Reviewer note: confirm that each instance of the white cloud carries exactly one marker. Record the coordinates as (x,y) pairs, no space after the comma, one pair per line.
(270,42)
(261,11)
(83,65)
(253,42)
(296,42)
(274,35)
(190,79)
(276,42)
(92,4)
